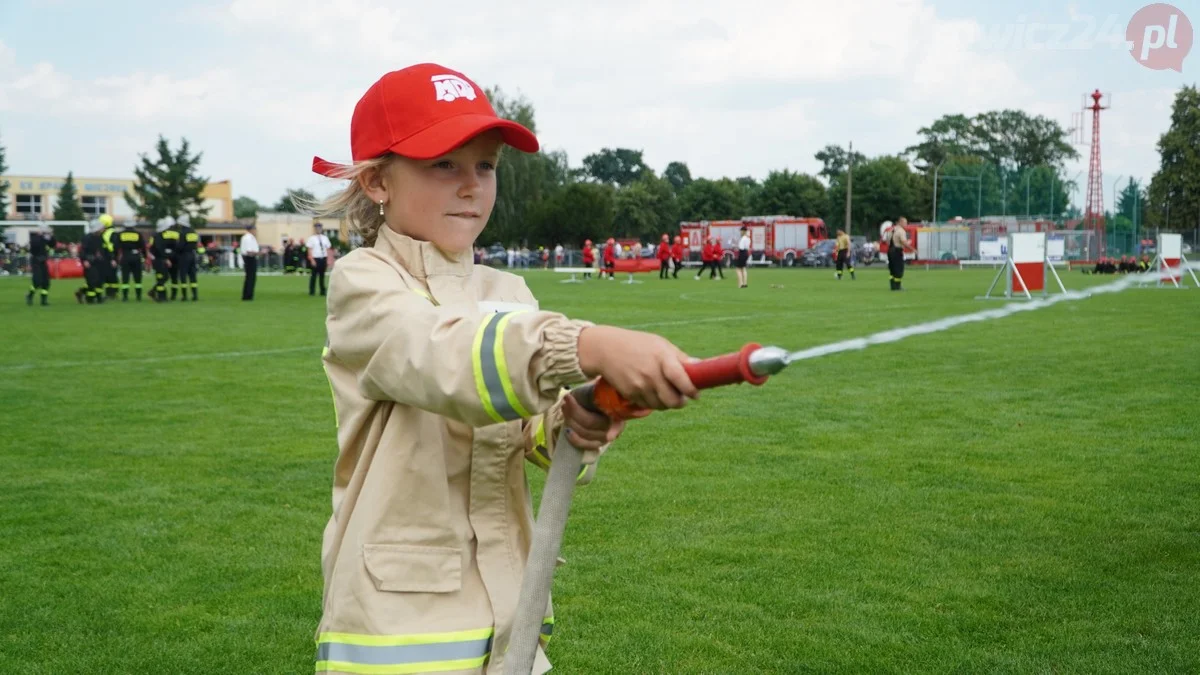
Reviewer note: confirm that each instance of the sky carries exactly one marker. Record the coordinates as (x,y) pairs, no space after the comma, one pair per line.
(730,88)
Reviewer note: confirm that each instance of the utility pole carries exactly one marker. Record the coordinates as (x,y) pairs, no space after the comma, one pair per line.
(849,184)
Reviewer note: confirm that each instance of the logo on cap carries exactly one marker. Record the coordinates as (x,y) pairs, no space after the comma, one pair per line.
(452,87)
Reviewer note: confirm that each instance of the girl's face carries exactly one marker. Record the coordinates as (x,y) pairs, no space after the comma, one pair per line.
(447,200)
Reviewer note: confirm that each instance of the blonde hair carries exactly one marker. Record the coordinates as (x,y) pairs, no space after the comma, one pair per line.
(351,202)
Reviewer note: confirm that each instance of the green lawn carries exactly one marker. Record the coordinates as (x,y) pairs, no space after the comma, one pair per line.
(1015,496)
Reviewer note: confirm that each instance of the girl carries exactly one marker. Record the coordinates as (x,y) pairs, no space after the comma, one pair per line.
(743,257)
(445,378)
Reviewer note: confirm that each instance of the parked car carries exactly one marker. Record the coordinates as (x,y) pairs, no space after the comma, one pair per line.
(820,255)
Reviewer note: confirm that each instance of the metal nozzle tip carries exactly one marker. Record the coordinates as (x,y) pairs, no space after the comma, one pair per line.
(768,361)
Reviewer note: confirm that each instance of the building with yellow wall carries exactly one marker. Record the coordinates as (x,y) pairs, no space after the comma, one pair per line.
(34,198)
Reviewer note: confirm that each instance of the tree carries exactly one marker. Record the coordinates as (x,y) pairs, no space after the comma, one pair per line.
(523,180)
(750,189)
(68,206)
(573,213)
(885,188)
(3,185)
(678,175)
(834,160)
(788,193)
(949,136)
(646,209)
(245,207)
(1010,139)
(1131,202)
(1173,201)
(168,185)
(287,203)
(706,199)
(619,166)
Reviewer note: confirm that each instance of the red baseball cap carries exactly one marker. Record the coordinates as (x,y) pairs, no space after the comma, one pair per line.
(422,112)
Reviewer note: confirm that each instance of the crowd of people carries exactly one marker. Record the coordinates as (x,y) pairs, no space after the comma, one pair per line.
(115,260)
(1126,264)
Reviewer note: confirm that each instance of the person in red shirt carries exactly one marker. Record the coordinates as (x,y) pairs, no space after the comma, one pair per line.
(589,257)
(677,256)
(705,257)
(718,255)
(664,257)
(610,258)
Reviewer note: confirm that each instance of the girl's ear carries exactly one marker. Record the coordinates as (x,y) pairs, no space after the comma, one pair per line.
(372,183)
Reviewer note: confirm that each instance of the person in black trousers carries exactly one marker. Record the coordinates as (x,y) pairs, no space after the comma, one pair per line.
(320,252)
(897,246)
(190,249)
(91,255)
(249,249)
(129,247)
(40,246)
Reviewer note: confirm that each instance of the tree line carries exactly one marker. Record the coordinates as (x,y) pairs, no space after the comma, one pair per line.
(996,163)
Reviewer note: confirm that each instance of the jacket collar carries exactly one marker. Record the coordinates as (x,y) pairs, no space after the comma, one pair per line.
(421,258)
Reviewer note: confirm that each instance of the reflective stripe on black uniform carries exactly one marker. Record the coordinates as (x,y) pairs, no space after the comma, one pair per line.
(190,248)
(108,250)
(130,245)
(175,236)
(92,252)
(39,266)
(163,247)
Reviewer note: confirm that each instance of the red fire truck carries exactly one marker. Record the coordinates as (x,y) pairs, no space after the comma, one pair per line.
(773,239)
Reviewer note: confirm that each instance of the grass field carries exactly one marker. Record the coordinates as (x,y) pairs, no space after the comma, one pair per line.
(1015,496)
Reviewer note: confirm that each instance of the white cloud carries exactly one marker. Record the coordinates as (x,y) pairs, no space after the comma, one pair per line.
(732,89)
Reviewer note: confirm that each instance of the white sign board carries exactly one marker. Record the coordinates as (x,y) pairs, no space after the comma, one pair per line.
(1027,247)
(991,249)
(1170,246)
(1056,248)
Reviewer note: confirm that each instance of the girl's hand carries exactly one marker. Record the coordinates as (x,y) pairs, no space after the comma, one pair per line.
(588,430)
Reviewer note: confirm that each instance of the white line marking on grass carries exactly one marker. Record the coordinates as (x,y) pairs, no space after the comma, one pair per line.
(159,359)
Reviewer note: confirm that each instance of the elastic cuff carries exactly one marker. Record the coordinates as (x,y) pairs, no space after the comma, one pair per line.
(562,354)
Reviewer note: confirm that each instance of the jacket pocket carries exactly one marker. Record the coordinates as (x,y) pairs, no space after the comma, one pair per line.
(414,569)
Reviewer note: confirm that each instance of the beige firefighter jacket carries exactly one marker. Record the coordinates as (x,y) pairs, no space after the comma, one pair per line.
(440,369)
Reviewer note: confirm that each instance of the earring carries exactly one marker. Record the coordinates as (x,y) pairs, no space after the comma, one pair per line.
(381,207)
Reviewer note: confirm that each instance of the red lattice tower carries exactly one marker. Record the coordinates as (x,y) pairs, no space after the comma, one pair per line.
(1093,213)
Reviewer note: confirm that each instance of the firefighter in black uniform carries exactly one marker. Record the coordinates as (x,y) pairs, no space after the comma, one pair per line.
(289,256)
(110,253)
(189,255)
(163,247)
(40,246)
(897,245)
(300,251)
(174,234)
(91,254)
(130,245)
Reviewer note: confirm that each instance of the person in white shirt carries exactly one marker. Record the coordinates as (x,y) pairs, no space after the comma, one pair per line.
(320,252)
(743,257)
(249,249)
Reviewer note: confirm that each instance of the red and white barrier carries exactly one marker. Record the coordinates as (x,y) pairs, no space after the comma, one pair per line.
(1169,261)
(1027,268)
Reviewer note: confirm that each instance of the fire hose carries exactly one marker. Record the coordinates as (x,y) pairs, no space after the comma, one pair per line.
(753,364)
